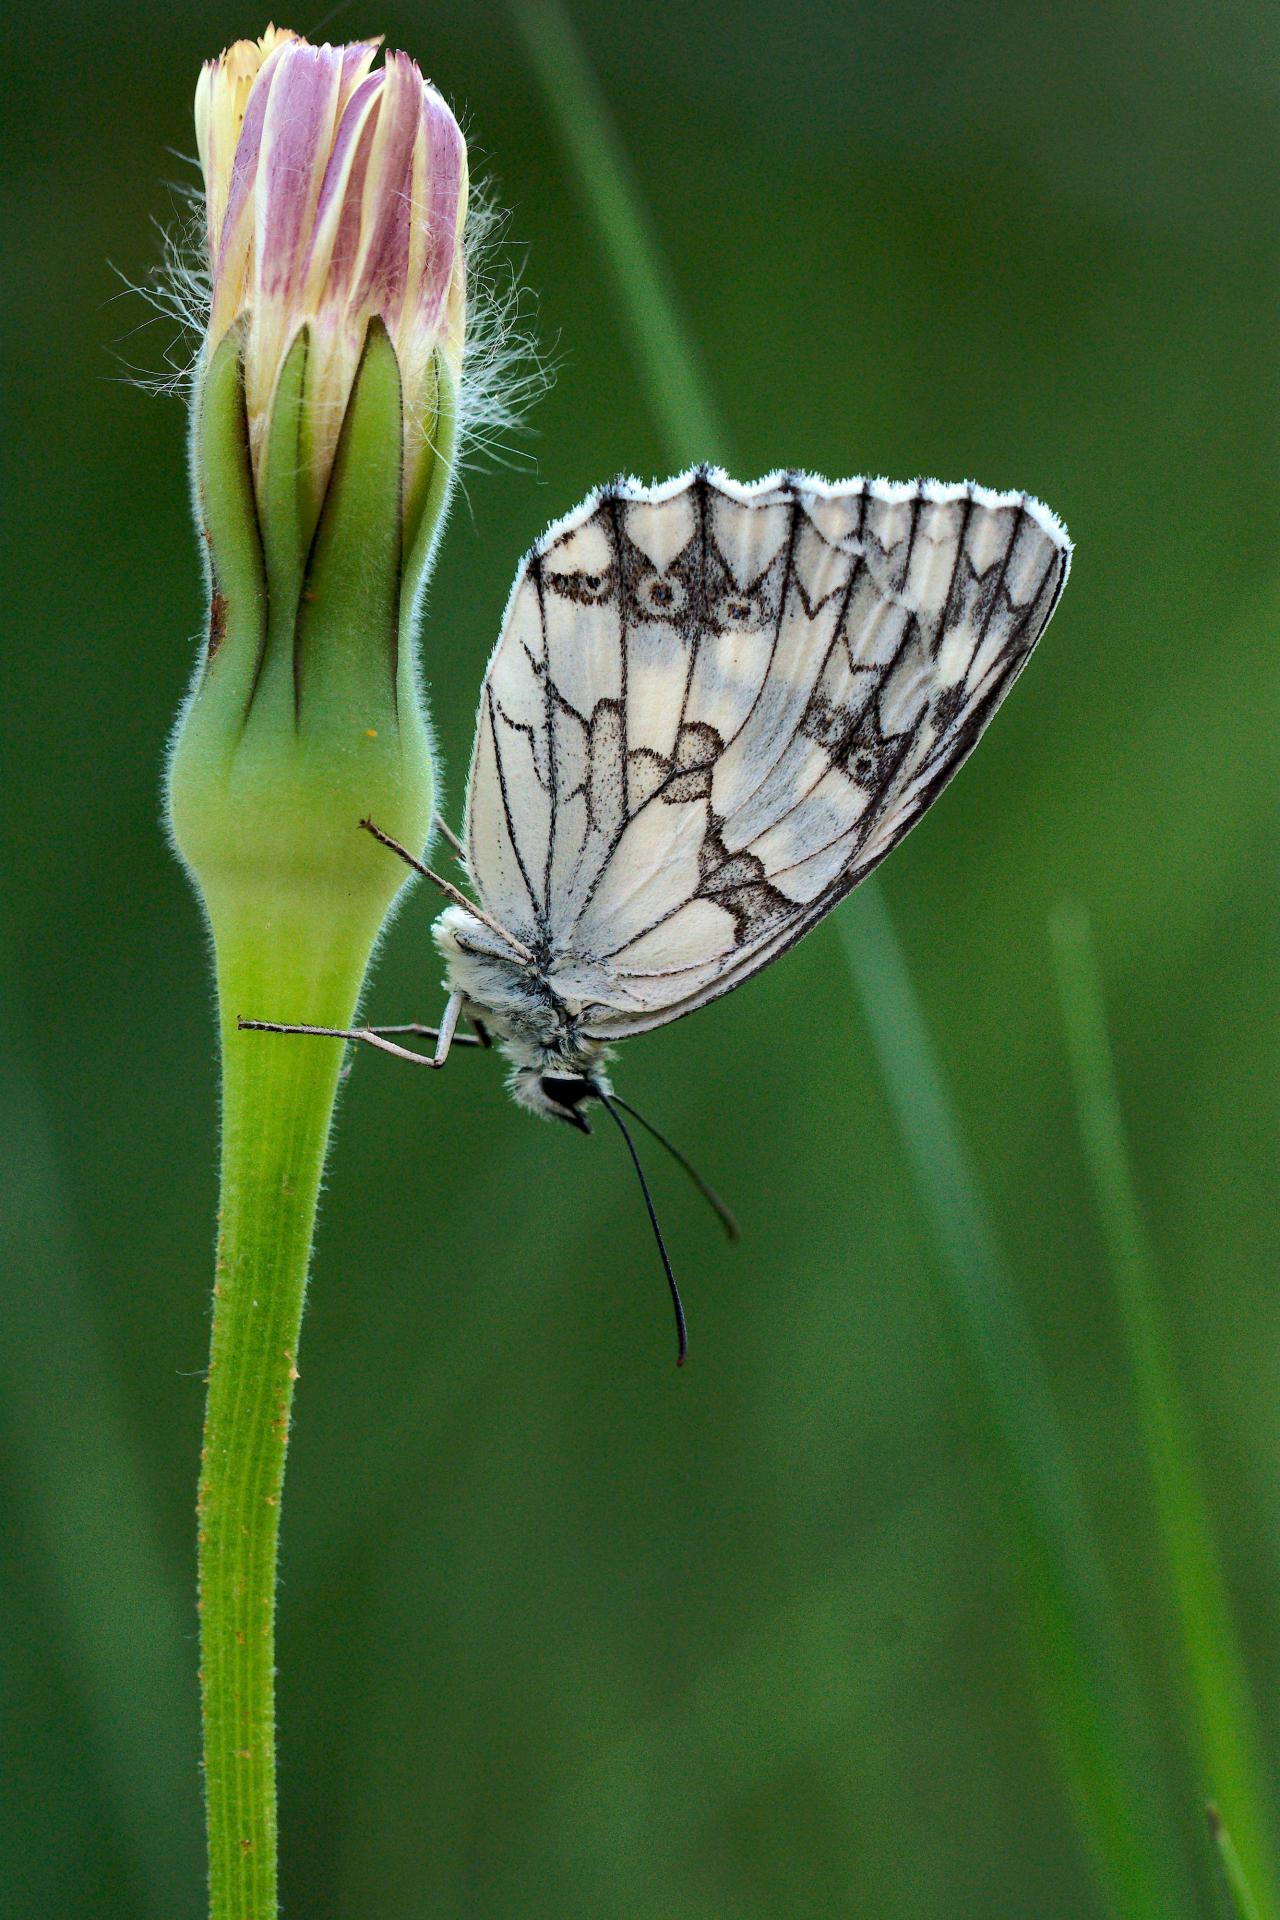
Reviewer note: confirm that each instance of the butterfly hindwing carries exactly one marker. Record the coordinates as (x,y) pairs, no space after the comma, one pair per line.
(713,709)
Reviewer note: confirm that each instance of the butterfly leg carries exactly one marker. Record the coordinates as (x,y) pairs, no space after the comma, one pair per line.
(451,839)
(413,1027)
(428,1033)
(448,889)
(478,1037)
(371,1036)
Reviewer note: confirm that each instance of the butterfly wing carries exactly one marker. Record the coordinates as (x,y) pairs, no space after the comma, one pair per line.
(714,709)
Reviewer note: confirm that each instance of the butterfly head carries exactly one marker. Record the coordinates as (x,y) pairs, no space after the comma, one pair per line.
(556,1093)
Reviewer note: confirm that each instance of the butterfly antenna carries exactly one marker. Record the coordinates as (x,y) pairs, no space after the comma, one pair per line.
(682,1334)
(708,1193)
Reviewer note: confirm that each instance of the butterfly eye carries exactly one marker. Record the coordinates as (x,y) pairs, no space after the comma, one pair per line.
(662,595)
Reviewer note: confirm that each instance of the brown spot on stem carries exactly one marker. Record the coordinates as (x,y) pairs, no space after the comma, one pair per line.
(217,622)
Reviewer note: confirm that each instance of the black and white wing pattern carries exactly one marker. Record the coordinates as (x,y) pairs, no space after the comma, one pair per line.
(714,708)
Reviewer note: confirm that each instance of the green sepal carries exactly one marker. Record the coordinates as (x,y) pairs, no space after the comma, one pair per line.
(283,489)
(228,518)
(428,487)
(346,639)
(287,520)
(267,795)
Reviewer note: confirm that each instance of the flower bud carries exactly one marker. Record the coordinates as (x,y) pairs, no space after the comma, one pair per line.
(323,432)
(333,194)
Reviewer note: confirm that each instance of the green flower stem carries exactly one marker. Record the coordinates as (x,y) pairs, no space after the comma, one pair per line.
(273,959)
(304,718)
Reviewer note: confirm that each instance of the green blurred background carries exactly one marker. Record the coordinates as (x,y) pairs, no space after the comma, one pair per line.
(564,1632)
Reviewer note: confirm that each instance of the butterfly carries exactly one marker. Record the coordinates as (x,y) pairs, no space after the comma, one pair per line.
(712,710)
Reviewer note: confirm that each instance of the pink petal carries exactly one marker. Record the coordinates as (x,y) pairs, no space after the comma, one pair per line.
(296,137)
(338,230)
(381,286)
(445,164)
(356,61)
(244,167)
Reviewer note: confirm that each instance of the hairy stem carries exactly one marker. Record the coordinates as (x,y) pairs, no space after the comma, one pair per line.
(277,1103)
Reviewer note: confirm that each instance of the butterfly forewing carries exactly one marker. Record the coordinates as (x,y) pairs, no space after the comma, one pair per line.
(713,709)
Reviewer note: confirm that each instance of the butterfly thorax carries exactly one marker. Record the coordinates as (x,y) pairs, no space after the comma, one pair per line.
(555,1065)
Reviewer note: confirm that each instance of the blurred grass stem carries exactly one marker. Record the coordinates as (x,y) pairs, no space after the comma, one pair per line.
(678,387)
(1095,1705)
(1226,1741)
(1243,1904)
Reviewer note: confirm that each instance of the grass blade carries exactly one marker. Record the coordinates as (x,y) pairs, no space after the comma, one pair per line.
(1095,1705)
(1224,1731)
(667,359)
(1239,1892)
(1092,1697)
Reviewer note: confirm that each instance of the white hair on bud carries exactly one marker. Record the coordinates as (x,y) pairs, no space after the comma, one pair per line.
(178,291)
(503,370)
